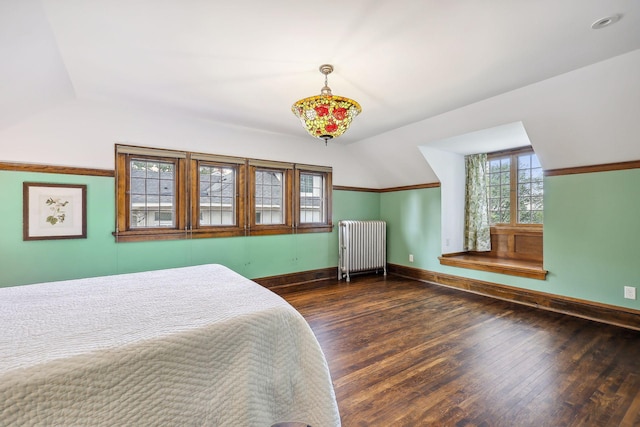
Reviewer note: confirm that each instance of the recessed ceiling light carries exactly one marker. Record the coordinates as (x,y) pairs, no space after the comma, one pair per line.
(605,22)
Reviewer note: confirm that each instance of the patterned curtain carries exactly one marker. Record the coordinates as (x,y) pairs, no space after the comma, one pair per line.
(477,236)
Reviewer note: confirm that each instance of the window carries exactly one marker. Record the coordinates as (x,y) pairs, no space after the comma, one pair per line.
(217,190)
(165,194)
(499,177)
(219,183)
(530,189)
(522,201)
(270,197)
(515,188)
(152,193)
(313,208)
(306,184)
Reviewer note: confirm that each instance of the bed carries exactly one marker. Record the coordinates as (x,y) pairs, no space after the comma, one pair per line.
(187,346)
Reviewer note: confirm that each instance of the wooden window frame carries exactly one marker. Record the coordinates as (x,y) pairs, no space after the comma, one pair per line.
(513,232)
(239,166)
(513,188)
(187,190)
(286,169)
(314,227)
(124,232)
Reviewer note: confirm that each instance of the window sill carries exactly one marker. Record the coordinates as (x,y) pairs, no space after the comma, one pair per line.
(213,232)
(149,235)
(316,228)
(512,267)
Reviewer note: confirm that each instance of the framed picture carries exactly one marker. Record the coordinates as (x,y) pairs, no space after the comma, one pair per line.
(54,211)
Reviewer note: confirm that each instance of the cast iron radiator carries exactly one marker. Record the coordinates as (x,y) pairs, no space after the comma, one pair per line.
(362,246)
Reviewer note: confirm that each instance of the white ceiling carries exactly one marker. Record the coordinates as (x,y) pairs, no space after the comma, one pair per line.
(245,62)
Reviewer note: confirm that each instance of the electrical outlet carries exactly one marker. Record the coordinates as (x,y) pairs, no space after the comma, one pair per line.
(410,257)
(629,292)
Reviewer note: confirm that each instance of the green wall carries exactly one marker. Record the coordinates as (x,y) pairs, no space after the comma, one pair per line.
(24,262)
(591,230)
(413,227)
(591,234)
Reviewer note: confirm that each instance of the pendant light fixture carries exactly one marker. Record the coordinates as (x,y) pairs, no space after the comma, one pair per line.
(326,116)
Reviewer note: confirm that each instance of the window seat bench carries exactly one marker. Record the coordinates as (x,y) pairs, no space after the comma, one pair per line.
(477,261)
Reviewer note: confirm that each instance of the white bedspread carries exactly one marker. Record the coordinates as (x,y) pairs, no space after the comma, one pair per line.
(188,346)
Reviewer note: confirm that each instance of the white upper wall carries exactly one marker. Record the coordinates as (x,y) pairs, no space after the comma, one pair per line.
(83,133)
(584,117)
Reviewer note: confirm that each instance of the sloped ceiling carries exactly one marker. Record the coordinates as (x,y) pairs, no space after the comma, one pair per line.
(245,62)
(33,76)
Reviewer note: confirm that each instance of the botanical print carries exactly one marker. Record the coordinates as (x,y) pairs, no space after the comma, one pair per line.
(57,209)
(54,211)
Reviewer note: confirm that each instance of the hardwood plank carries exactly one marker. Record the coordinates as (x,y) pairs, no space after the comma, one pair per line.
(294,279)
(408,353)
(614,315)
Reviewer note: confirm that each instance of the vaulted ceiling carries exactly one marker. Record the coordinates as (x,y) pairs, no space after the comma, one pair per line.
(245,62)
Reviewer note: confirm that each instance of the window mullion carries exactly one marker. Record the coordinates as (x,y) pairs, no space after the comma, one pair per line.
(296,202)
(513,190)
(181,195)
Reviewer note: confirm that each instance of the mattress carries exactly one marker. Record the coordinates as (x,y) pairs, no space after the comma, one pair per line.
(187,346)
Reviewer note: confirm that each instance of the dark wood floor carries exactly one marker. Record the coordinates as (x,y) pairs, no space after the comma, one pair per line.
(407,353)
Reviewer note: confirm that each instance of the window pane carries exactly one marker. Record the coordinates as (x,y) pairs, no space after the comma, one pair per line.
(536,174)
(494,191)
(166,186)
(530,189)
(536,203)
(269,207)
(524,162)
(524,203)
(312,198)
(499,190)
(494,217)
(524,190)
(536,217)
(535,163)
(536,188)
(494,166)
(217,195)
(505,191)
(152,199)
(306,183)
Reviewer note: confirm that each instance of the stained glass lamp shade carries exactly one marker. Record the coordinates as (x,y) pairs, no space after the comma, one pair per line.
(326,116)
